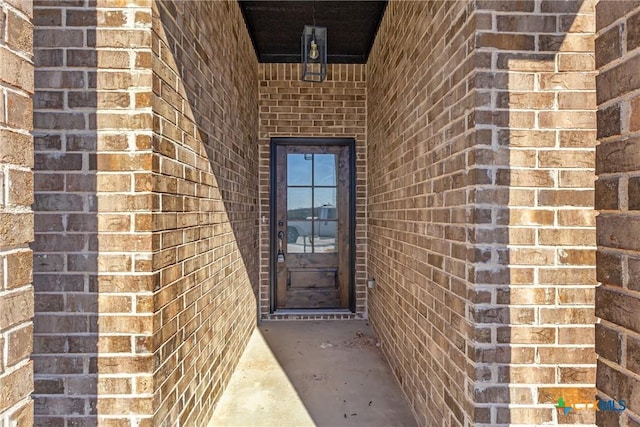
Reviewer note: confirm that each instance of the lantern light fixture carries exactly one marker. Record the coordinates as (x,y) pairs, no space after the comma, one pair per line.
(314,51)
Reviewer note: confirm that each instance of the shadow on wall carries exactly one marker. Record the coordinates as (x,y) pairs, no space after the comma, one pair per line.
(212,200)
(535,343)
(65,248)
(222,104)
(206,177)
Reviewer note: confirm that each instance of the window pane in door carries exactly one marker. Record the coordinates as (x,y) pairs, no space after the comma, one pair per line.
(324,169)
(299,238)
(299,203)
(299,169)
(324,203)
(324,240)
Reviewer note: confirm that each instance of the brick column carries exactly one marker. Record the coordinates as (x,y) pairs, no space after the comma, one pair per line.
(535,241)
(16,218)
(123,165)
(93,271)
(618,202)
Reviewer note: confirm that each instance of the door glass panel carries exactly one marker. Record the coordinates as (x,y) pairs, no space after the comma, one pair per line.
(324,203)
(299,238)
(299,203)
(299,169)
(311,203)
(324,239)
(324,169)
(313,228)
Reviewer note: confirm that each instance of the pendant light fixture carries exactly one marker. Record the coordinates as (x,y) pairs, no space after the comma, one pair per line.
(314,51)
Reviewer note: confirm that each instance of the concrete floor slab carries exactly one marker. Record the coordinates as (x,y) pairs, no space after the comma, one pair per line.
(313,373)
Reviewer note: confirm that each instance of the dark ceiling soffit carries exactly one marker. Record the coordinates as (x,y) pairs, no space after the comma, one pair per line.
(331,58)
(374,33)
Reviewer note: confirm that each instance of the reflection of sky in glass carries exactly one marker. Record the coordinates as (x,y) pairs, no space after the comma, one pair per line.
(325,169)
(298,169)
(298,198)
(324,196)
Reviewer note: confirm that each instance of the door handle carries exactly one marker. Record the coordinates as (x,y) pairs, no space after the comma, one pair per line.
(280,255)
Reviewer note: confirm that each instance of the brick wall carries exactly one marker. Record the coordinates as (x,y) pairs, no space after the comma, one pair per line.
(420,129)
(206,182)
(123,152)
(617,195)
(16,218)
(481,231)
(93,271)
(336,107)
(147,219)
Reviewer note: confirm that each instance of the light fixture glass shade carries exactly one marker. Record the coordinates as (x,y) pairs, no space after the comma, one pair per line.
(314,53)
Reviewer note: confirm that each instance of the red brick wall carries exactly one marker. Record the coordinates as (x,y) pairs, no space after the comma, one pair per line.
(205,104)
(16,218)
(617,195)
(336,107)
(481,128)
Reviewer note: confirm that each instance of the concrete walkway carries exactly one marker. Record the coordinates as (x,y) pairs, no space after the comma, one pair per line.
(313,373)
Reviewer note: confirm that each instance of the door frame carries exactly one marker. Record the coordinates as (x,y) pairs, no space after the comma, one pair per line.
(273,244)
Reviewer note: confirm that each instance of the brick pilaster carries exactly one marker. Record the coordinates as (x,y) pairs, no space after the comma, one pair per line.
(16,217)
(93,274)
(535,257)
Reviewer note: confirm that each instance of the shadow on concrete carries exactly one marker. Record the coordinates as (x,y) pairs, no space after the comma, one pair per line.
(325,373)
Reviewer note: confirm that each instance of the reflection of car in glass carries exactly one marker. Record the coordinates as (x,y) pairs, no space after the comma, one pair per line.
(325,224)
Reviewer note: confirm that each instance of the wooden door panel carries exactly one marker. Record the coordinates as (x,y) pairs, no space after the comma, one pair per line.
(316,261)
(313,278)
(313,298)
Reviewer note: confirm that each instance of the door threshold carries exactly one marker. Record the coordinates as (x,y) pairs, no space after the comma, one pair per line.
(312,311)
(312,314)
